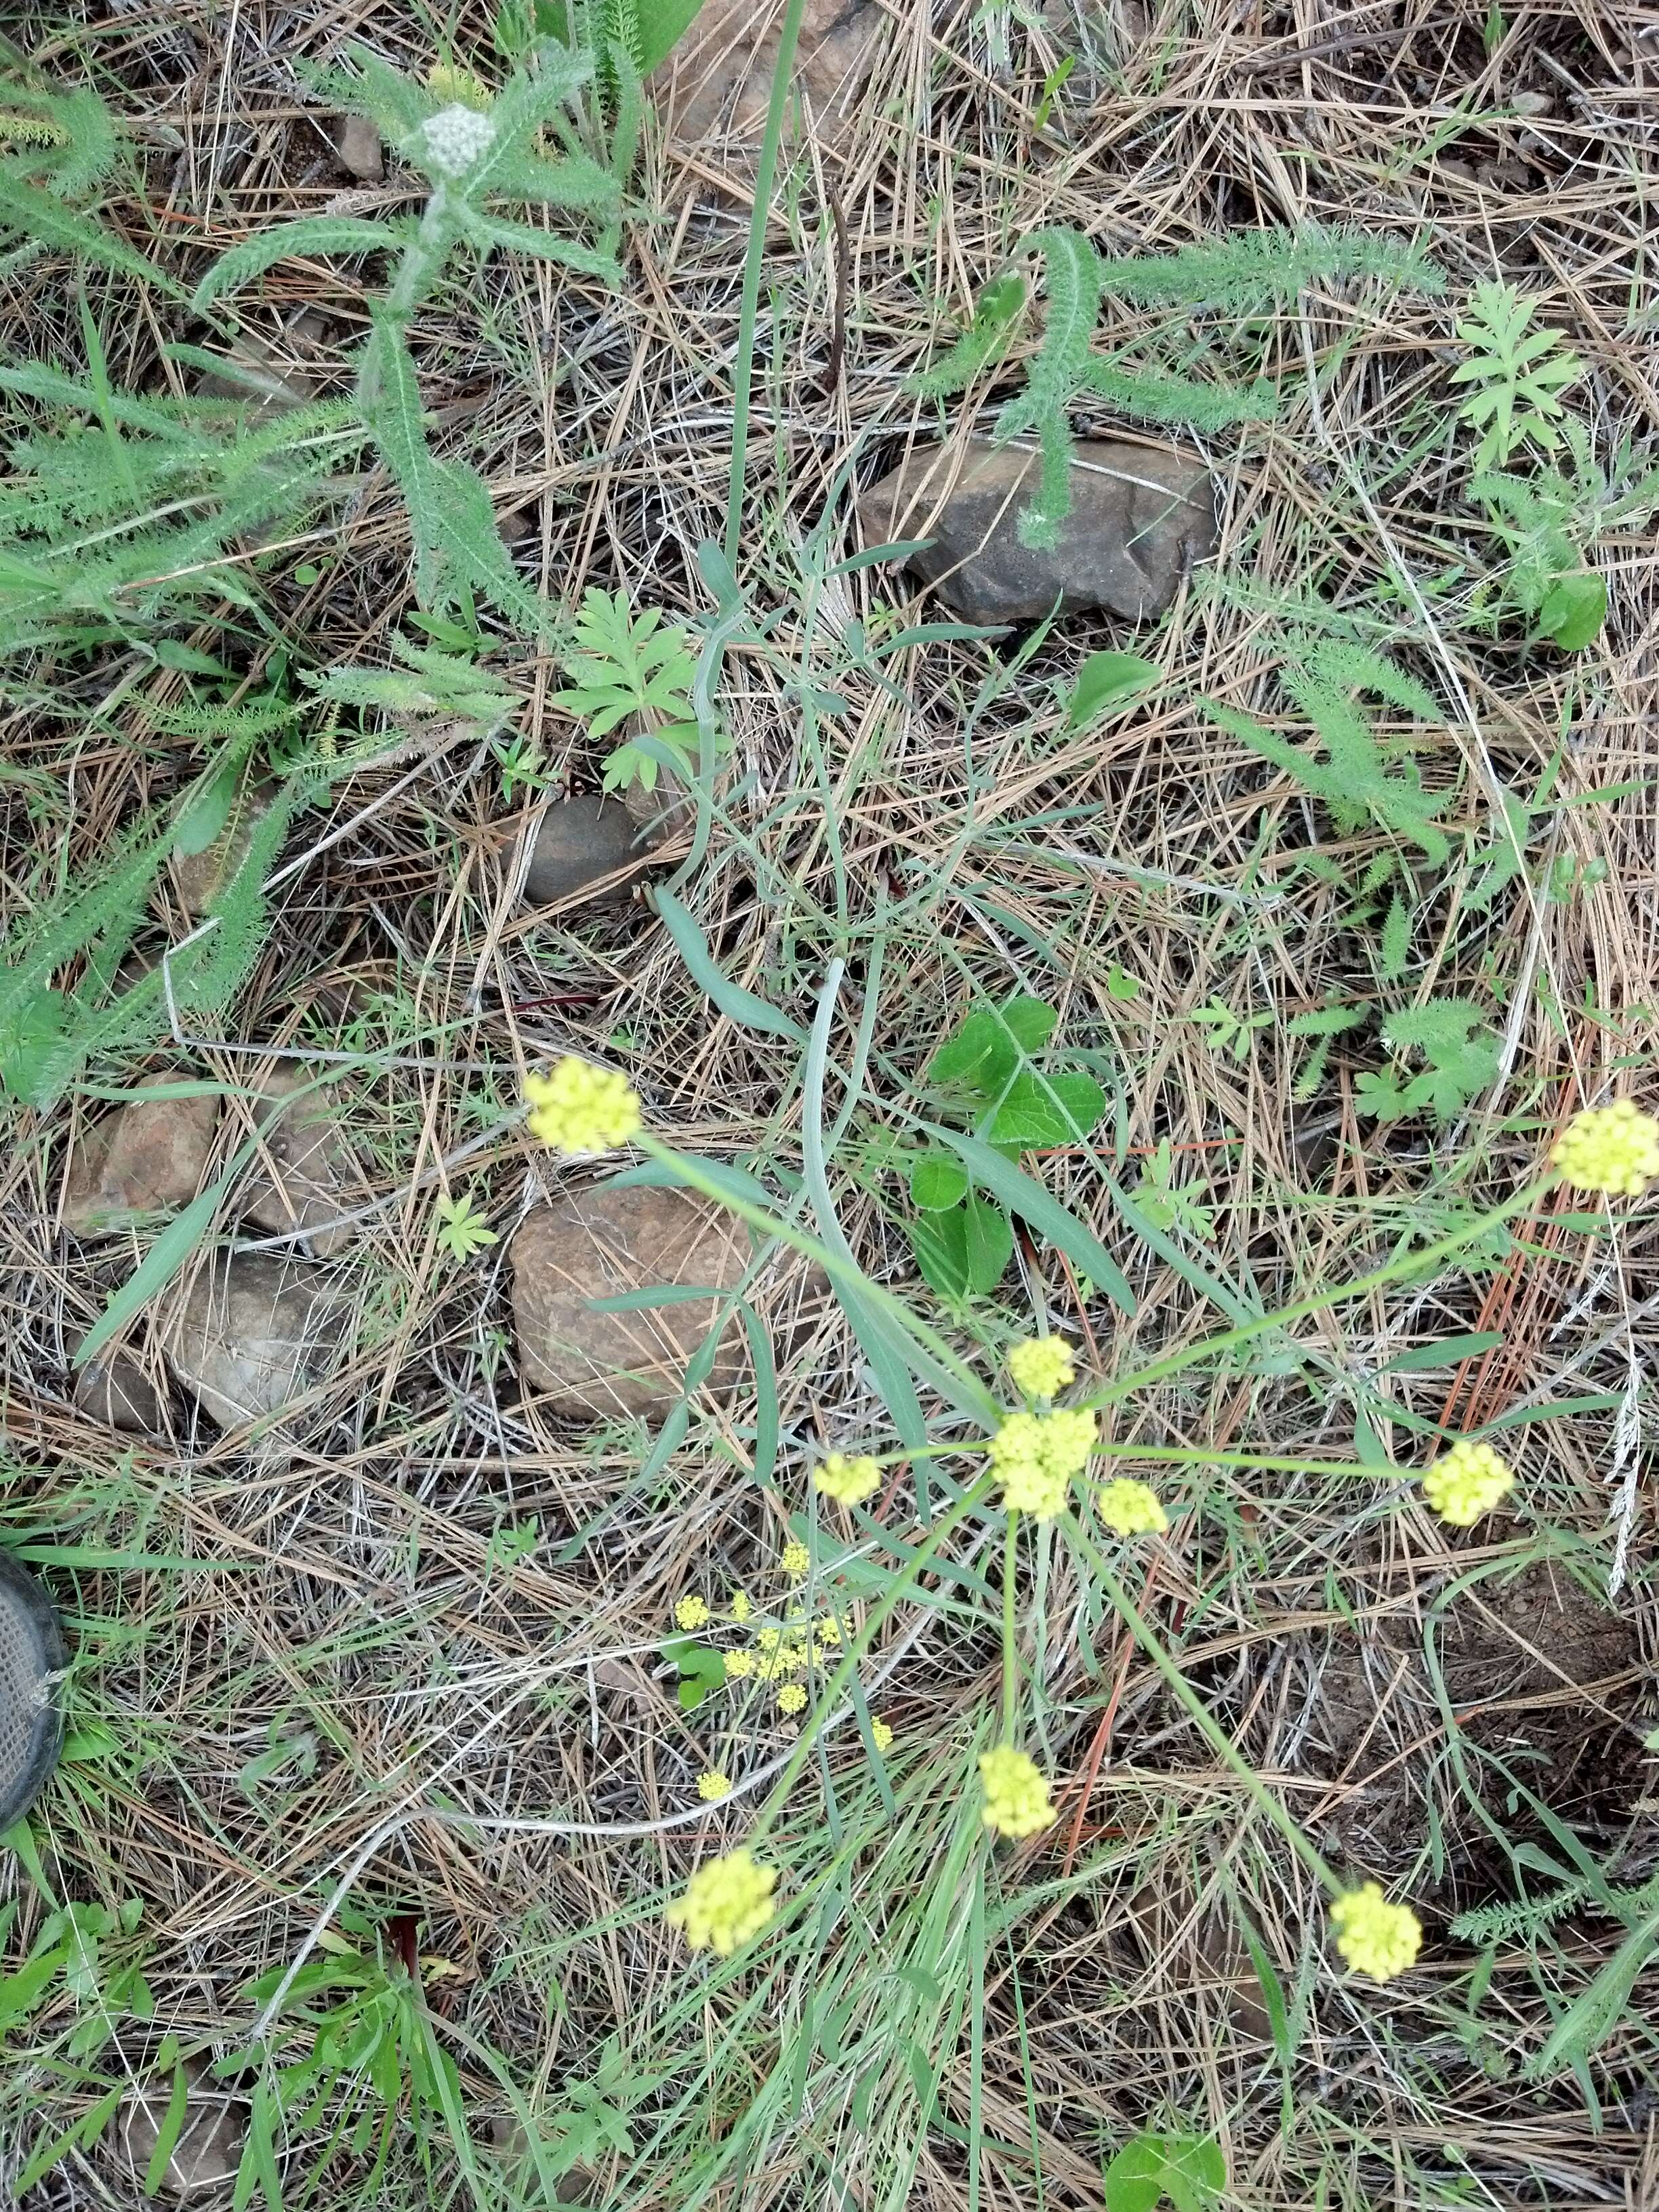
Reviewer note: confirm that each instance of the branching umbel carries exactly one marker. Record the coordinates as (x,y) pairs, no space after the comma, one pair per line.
(477,152)
(1242,275)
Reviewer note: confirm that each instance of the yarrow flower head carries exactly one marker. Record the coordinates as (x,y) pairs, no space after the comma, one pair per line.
(691,1613)
(579,1108)
(791,1698)
(1466,1481)
(1041,1365)
(455,137)
(1611,1148)
(712,1786)
(1035,1456)
(725,1902)
(1375,1937)
(849,1481)
(1129,1509)
(795,1560)
(881,1736)
(1015,1795)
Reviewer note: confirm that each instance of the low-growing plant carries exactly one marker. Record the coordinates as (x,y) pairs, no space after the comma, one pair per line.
(633,672)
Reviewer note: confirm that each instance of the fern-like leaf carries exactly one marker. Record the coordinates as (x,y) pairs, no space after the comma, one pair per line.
(333,234)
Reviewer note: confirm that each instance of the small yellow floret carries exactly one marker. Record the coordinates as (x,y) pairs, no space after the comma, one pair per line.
(1611,1148)
(795,1560)
(1375,1937)
(1041,1365)
(881,1736)
(579,1108)
(1015,1795)
(712,1786)
(738,1664)
(1129,1509)
(849,1481)
(725,1902)
(740,1607)
(1035,1456)
(828,1633)
(691,1612)
(1466,1481)
(791,1698)
(769,1638)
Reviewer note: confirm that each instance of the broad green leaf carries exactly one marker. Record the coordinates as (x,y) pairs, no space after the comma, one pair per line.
(936,1181)
(984,1052)
(1106,677)
(1040,1209)
(1046,1109)
(964,1249)
(989,1243)
(1189,2170)
(1574,609)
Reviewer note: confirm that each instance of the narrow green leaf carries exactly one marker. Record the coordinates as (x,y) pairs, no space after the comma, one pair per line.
(990,1171)
(737,1004)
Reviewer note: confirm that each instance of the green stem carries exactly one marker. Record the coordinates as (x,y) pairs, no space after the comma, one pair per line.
(879,1612)
(1135,1621)
(1010,1652)
(744,369)
(1408,1263)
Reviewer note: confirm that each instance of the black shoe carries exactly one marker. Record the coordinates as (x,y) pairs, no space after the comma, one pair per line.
(31,1659)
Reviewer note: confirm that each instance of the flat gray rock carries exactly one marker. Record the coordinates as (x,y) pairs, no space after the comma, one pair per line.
(202,2166)
(1141,515)
(585,847)
(113,1389)
(306,1175)
(250,1334)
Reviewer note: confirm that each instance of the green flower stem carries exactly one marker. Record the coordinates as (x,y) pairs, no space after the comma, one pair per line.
(1135,1621)
(1010,1649)
(1260,1463)
(743,369)
(951,1519)
(1408,1263)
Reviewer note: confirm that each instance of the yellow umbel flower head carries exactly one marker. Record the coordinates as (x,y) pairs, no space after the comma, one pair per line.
(740,1607)
(1041,1365)
(795,1560)
(1375,1937)
(738,1664)
(881,1736)
(1035,1456)
(712,1786)
(791,1698)
(691,1612)
(1015,1795)
(1466,1481)
(849,1481)
(579,1108)
(1129,1509)
(1611,1148)
(725,1902)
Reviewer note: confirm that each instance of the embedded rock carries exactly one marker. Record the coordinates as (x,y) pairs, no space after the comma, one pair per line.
(249,1335)
(716,85)
(148,1157)
(304,1176)
(204,2161)
(1141,516)
(113,1389)
(585,847)
(361,154)
(199,878)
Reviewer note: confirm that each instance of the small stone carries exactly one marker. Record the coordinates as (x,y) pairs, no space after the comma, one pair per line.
(204,2161)
(1532,104)
(148,1157)
(600,1243)
(1141,515)
(307,1176)
(248,1335)
(258,379)
(585,847)
(361,154)
(717,83)
(113,1389)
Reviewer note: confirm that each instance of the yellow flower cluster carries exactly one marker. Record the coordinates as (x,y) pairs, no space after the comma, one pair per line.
(791,1698)
(580,1108)
(1466,1481)
(691,1612)
(1611,1148)
(1041,1366)
(1035,1456)
(796,1560)
(1015,1795)
(712,1786)
(739,1607)
(1129,1509)
(1375,1937)
(881,1736)
(725,1903)
(739,1665)
(849,1481)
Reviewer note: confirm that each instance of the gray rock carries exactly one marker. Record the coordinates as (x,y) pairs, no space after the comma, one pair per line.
(249,1335)
(717,83)
(598,1243)
(1140,517)
(585,847)
(113,1389)
(307,1176)
(204,2161)
(361,154)
(148,1157)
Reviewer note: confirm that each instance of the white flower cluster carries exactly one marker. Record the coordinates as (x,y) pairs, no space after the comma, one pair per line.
(456,137)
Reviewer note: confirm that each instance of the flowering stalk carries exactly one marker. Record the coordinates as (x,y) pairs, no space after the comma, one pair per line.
(1010,1649)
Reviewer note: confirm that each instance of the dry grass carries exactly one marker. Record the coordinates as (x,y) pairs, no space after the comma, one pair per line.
(496,1750)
